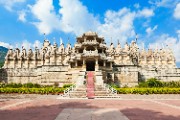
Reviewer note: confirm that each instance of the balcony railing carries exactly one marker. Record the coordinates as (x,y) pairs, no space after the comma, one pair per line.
(90,42)
(102,45)
(90,53)
(78,45)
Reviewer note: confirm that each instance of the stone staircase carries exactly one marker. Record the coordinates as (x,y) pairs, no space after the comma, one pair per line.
(83,91)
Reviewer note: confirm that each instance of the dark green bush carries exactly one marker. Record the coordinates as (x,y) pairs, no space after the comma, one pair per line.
(67,85)
(46,90)
(148,90)
(153,82)
(19,85)
(114,85)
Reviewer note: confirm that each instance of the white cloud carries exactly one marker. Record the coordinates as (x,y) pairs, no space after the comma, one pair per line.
(150,30)
(22,16)
(178,32)
(37,44)
(43,10)
(27,45)
(118,25)
(177,11)
(164,3)
(6,45)
(145,13)
(76,18)
(8,4)
(172,42)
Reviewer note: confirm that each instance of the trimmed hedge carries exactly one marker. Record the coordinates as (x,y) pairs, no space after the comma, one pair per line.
(45,90)
(148,90)
(153,82)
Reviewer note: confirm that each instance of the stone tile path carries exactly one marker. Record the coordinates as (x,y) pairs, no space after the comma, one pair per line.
(91,114)
(129,107)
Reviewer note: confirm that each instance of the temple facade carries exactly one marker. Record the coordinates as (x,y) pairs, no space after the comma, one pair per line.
(123,65)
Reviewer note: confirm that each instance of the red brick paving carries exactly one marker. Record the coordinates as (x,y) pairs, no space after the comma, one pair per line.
(48,109)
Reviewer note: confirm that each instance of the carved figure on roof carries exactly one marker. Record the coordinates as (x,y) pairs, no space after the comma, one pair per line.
(23,53)
(126,47)
(68,48)
(30,54)
(61,48)
(118,48)
(9,54)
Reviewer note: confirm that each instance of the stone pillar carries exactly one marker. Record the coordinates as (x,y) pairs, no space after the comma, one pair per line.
(84,39)
(110,64)
(27,63)
(104,63)
(84,63)
(95,39)
(96,65)
(76,63)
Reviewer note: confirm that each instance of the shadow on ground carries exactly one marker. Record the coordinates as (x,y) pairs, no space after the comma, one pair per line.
(42,111)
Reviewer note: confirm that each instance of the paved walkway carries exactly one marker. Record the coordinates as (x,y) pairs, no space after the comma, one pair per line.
(129,107)
(91,114)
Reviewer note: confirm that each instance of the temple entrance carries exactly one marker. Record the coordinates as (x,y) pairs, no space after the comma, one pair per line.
(90,65)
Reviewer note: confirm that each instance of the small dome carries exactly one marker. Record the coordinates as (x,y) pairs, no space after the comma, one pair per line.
(90,33)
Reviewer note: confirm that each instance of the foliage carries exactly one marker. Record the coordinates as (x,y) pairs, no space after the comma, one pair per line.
(19,85)
(45,90)
(3,52)
(153,82)
(148,90)
(1,64)
(67,85)
(114,85)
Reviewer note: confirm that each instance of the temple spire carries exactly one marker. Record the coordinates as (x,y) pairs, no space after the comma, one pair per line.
(118,41)
(45,36)
(136,37)
(68,41)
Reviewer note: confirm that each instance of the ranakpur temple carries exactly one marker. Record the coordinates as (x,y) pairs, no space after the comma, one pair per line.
(120,64)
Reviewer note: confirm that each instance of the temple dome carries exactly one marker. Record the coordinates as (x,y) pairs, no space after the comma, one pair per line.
(90,33)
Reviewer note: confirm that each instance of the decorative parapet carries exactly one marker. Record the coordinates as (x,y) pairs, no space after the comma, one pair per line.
(102,45)
(109,59)
(77,45)
(90,42)
(90,53)
(103,56)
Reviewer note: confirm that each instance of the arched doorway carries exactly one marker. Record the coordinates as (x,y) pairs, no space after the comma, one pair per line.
(90,65)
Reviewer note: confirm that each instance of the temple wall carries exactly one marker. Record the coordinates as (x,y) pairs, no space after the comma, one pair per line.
(46,75)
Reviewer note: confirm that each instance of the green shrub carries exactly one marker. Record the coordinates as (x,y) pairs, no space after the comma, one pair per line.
(19,85)
(153,82)
(67,85)
(114,85)
(148,90)
(31,85)
(45,90)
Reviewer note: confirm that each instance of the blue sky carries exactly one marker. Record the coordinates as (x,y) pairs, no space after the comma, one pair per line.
(23,22)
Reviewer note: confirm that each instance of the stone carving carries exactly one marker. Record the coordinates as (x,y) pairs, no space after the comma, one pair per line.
(68,48)
(126,48)
(9,54)
(89,48)
(30,54)
(23,54)
(61,49)
(134,52)
(118,48)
